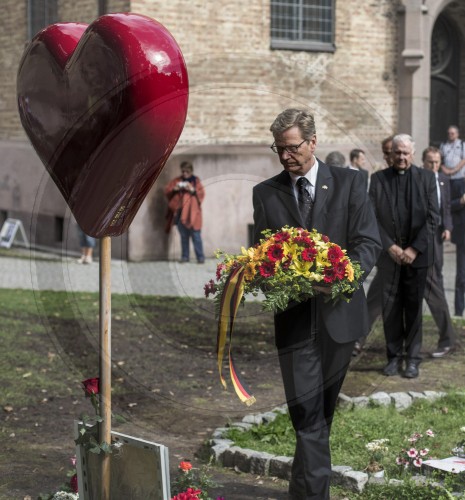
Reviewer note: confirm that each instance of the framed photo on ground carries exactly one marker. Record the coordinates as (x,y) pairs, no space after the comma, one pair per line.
(139,469)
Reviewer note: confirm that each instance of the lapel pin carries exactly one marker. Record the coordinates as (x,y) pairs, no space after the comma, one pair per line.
(442,183)
(324,186)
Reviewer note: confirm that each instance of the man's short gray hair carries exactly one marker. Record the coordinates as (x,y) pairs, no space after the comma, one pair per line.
(294,117)
(404,139)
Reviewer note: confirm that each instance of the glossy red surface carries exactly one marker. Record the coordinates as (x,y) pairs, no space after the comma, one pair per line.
(103,106)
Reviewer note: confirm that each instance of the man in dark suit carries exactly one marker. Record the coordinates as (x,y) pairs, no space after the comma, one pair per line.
(357,162)
(406,206)
(434,292)
(315,338)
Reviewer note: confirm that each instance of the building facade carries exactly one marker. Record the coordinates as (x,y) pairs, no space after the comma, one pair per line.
(365,69)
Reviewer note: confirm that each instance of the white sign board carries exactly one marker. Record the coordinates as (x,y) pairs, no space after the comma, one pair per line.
(139,469)
(455,465)
(13,229)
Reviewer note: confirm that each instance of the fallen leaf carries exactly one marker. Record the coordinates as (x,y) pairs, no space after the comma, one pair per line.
(8,408)
(28,374)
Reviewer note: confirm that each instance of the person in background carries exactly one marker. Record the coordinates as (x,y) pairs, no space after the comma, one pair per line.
(434,292)
(185,195)
(335,159)
(375,290)
(315,338)
(87,244)
(453,158)
(357,162)
(406,206)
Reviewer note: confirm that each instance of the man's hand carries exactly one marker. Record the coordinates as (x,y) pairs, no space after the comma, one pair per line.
(326,289)
(445,235)
(409,255)
(395,252)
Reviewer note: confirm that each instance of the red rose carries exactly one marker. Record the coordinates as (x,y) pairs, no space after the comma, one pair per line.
(335,253)
(185,466)
(91,386)
(189,494)
(73,482)
(325,238)
(275,253)
(267,269)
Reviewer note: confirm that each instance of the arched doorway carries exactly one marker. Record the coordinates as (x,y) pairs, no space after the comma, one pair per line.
(445,73)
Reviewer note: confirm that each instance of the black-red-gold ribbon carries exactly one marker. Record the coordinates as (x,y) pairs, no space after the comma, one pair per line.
(230,300)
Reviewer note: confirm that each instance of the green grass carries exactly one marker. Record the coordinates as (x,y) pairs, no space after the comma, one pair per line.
(353,429)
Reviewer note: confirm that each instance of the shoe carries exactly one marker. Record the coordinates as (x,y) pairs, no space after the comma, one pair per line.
(184,261)
(392,368)
(81,260)
(357,349)
(412,370)
(441,352)
(88,260)
(201,261)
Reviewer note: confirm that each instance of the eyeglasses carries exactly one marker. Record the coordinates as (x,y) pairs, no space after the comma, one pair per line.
(289,149)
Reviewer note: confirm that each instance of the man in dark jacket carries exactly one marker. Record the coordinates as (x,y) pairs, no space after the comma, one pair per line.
(406,206)
(434,292)
(315,338)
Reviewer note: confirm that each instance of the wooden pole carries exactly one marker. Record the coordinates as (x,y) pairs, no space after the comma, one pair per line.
(105,361)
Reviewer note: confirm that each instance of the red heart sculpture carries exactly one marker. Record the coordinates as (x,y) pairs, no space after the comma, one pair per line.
(103,105)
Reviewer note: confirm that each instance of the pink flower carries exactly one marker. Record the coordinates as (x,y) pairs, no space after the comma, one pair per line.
(424,452)
(412,453)
(399,461)
(219,270)
(73,461)
(429,433)
(417,462)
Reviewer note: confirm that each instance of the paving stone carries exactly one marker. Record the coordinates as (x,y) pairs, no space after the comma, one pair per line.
(253,419)
(361,401)
(223,442)
(401,400)
(218,451)
(260,463)
(281,467)
(433,395)
(241,426)
(381,398)
(269,416)
(354,480)
(417,395)
(220,432)
(344,401)
(228,456)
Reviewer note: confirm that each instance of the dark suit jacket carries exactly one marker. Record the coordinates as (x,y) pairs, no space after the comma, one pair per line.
(424,212)
(364,174)
(445,209)
(457,190)
(343,212)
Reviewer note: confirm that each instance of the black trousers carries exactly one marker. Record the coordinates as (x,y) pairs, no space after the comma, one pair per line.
(436,298)
(403,292)
(313,372)
(459,280)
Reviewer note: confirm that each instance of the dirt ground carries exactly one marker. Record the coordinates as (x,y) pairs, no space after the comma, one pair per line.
(165,383)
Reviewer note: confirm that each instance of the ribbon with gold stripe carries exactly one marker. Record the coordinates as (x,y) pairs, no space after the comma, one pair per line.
(229,304)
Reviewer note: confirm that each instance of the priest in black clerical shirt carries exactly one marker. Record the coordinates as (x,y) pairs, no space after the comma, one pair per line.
(406,206)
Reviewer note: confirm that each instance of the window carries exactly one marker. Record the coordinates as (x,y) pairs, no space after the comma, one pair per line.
(41,13)
(302,25)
